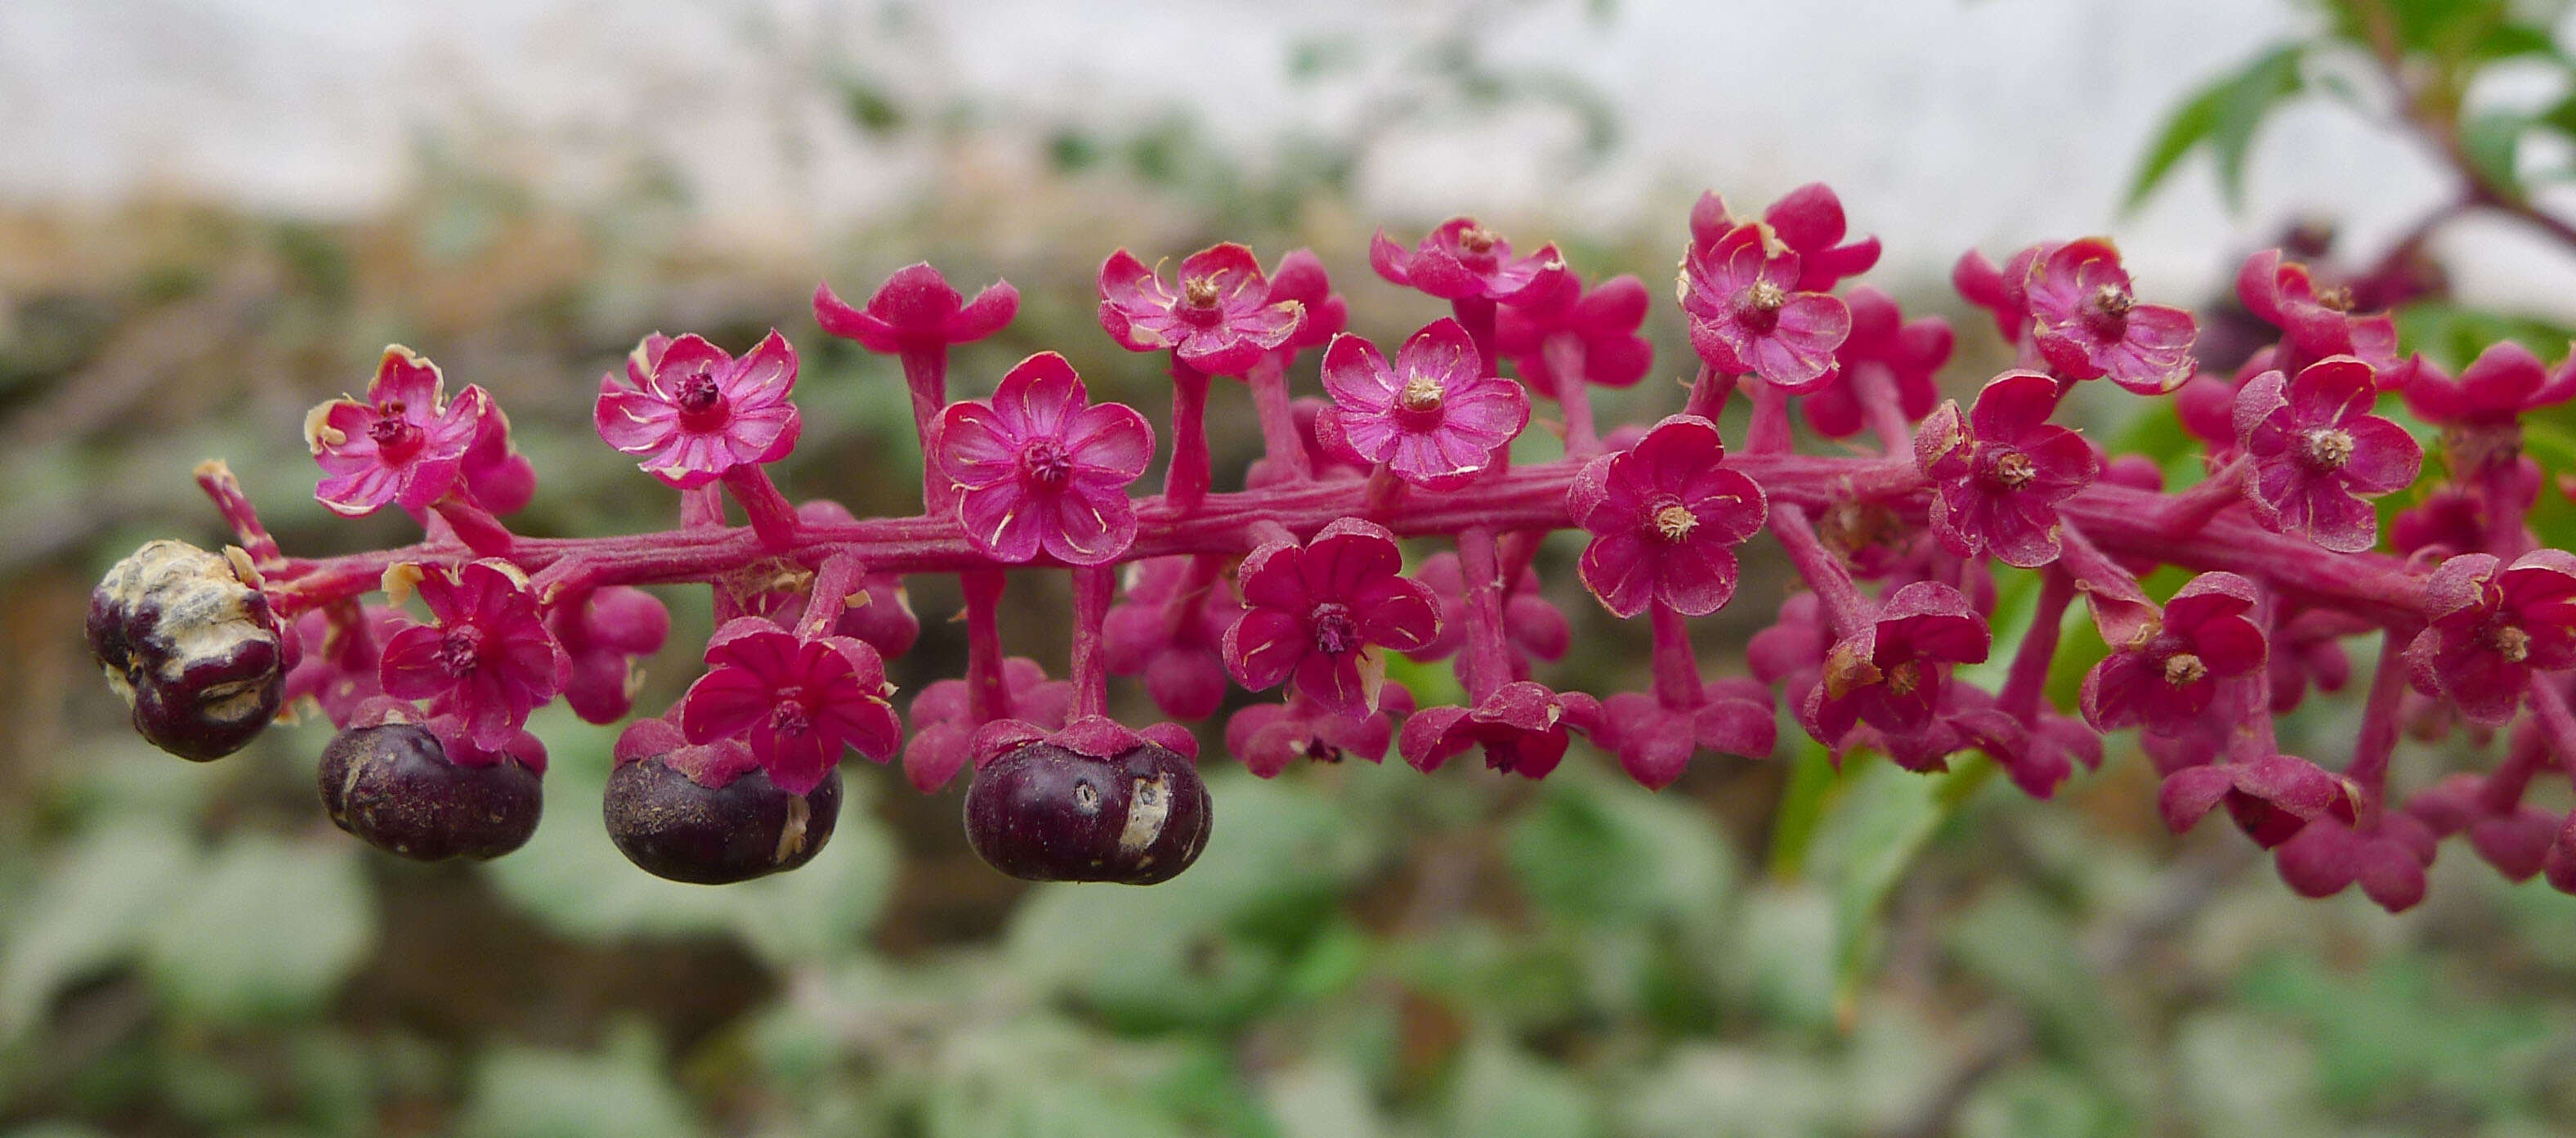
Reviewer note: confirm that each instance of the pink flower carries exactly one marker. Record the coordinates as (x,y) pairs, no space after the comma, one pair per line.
(1810,222)
(1747,317)
(1433,418)
(602,637)
(2004,293)
(1522,727)
(1665,518)
(1175,650)
(694,412)
(943,734)
(1300,277)
(405,444)
(2317,323)
(2502,384)
(1601,323)
(2089,324)
(1908,352)
(1268,737)
(1220,321)
(1890,674)
(2270,798)
(1654,742)
(2318,451)
(1999,476)
(799,702)
(2208,637)
(488,659)
(1319,613)
(2386,856)
(1462,260)
(2038,756)
(1043,468)
(499,478)
(1532,625)
(339,676)
(914,309)
(2492,627)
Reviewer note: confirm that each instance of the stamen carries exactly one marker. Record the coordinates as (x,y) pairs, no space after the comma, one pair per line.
(2511,643)
(1675,522)
(2183,668)
(2328,448)
(1421,393)
(1335,632)
(2014,470)
(1199,292)
(1046,462)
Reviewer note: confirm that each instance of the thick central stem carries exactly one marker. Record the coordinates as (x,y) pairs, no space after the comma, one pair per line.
(1185,484)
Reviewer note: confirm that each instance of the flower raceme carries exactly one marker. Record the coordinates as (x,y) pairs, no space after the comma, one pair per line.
(1903,536)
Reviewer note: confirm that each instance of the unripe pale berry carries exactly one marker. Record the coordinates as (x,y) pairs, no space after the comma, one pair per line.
(1047,813)
(193,648)
(396,789)
(672,826)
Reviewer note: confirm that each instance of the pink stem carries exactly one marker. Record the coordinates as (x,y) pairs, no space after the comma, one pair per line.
(2524,755)
(2028,679)
(1677,683)
(2506,536)
(702,508)
(2184,514)
(771,516)
(1279,439)
(1769,433)
(2378,738)
(1565,361)
(1876,387)
(216,479)
(475,526)
(1193,592)
(987,697)
(1091,588)
(1485,663)
(1382,492)
(2557,726)
(1185,485)
(925,371)
(1476,315)
(1845,608)
(1708,394)
(833,584)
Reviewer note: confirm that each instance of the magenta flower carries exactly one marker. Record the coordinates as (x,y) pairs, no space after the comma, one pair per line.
(2503,383)
(2492,627)
(2316,323)
(2386,856)
(1654,742)
(1269,737)
(1909,353)
(694,412)
(339,675)
(1174,648)
(488,659)
(2318,452)
(497,476)
(798,702)
(1220,321)
(1300,277)
(405,444)
(602,637)
(1665,518)
(1522,726)
(1810,222)
(1890,674)
(2004,293)
(1602,323)
(1319,613)
(2270,798)
(943,733)
(2209,636)
(2089,324)
(1748,317)
(1999,476)
(1462,260)
(1532,624)
(1044,468)
(1433,418)
(917,309)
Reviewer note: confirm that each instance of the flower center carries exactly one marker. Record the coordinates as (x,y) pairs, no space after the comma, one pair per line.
(1199,292)
(1421,393)
(2183,668)
(1335,632)
(2511,643)
(396,437)
(787,716)
(2107,315)
(1904,678)
(2338,298)
(460,651)
(2327,448)
(1675,521)
(1758,309)
(1045,462)
(700,401)
(2012,470)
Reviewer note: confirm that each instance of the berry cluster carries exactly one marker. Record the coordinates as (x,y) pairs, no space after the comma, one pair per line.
(1298,581)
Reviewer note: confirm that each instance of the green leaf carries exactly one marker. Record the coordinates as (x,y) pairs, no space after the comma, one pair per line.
(2492,141)
(1885,818)
(526,1093)
(1598,850)
(92,910)
(2222,116)
(1502,1093)
(267,932)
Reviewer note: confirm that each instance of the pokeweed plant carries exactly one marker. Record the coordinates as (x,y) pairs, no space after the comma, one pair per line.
(1298,581)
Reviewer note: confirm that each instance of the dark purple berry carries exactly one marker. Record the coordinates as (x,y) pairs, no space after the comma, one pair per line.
(671,825)
(396,789)
(195,651)
(1047,813)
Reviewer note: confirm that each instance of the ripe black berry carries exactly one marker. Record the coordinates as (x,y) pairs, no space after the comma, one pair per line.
(195,651)
(671,825)
(395,788)
(1047,813)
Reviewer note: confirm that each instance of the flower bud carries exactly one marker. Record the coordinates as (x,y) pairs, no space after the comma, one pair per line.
(396,788)
(193,648)
(1045,812)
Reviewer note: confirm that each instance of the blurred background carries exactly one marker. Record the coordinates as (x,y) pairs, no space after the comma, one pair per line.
(214,213)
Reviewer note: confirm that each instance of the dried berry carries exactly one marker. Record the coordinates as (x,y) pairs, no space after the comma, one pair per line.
(1048,813)
(192,646)
(395,787)
(672,825)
